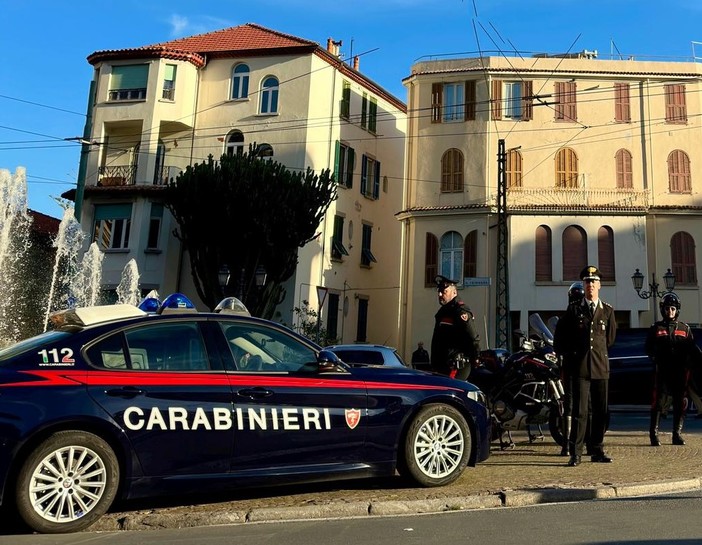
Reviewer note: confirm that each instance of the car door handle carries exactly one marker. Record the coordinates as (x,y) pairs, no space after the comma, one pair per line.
(127,392)
(254,393)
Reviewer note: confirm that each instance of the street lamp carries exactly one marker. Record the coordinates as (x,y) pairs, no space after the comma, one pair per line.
(638,280)
(223,277)
(260,276)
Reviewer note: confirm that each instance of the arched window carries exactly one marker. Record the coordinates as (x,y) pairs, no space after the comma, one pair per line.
(269,95)
(452,171)
(240,81)
(566,169)
(679,180)
(544,256)
(574,252)
(452,256)
(431,259)
(625,176)
(470,254)
(682,259)
(605,252)
(513,168)
(264,150)
(234,143)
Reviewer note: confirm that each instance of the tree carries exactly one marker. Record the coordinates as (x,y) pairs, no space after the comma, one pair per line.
(245,212)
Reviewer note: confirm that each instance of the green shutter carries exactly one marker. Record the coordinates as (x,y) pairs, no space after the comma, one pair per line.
(336,161)
(113,211)
(133,76)
(351,155)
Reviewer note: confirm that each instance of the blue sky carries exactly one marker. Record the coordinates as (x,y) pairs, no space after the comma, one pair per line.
(44,75)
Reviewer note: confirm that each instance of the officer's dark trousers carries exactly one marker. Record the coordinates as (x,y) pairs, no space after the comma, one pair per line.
(594,393)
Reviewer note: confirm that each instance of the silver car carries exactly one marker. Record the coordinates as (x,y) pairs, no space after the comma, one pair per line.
(368,354)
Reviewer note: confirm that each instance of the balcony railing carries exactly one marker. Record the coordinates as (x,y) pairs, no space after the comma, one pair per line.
(565,199)
(117,175)
(166,174)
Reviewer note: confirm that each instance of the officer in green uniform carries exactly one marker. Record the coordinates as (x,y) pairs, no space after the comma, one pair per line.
(455,344)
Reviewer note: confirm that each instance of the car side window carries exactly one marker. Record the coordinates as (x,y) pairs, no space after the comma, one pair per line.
(256,348)
(176,346)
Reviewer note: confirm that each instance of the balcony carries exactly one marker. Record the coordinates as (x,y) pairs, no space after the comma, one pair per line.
(166,174)
(117,175)
(556,199)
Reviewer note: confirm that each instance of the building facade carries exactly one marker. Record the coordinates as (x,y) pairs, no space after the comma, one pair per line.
(154,110)
(598,169)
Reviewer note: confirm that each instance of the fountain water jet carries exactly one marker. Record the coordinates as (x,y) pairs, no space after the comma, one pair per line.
(128,289)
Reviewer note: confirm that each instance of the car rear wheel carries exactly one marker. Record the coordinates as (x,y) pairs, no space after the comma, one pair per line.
(67,482)
(437,446)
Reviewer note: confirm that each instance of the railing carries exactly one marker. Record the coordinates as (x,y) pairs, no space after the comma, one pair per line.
(166,174)
(564,199)
(116,95)
(117,175)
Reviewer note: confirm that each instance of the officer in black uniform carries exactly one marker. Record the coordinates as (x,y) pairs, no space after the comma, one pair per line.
(455,344)
(670,345)
(583,340)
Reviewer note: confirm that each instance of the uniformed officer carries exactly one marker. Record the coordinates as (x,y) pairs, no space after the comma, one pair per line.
(670,345)
(455,343)
(583,339)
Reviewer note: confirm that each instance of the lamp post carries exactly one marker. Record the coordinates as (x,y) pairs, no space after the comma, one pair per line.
(223,277)
(638,279)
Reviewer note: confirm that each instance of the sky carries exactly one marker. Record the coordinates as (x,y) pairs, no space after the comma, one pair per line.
(44,74)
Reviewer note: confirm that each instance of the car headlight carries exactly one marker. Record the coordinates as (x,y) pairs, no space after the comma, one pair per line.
(478,396)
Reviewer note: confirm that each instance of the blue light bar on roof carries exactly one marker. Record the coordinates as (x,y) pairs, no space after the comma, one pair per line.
(176,302)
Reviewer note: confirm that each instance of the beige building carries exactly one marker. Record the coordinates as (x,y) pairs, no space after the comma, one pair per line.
(599,169)
(156,109)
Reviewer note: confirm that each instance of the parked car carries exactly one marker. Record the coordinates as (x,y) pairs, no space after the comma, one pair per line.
(368,354)
(118,401)
(631,370)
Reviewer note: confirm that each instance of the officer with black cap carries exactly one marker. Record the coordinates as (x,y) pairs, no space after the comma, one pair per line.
(583,339)
(455,344)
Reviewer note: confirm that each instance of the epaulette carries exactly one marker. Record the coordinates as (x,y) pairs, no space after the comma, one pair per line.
(606,304)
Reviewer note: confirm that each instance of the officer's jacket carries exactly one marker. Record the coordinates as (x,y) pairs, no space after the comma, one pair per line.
(670,344)
(454,333)
(583,341)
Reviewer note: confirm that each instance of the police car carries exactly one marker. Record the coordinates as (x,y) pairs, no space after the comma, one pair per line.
(119,400)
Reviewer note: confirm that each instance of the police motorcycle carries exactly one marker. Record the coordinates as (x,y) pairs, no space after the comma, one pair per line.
(524,388)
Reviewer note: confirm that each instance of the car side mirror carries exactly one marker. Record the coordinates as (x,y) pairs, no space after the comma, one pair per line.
(327,361)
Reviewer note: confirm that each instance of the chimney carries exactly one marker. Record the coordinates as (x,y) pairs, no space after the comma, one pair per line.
(329,45)
(333,47)
(356,62)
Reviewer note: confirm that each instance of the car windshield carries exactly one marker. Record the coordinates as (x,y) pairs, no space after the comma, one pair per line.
(9,352)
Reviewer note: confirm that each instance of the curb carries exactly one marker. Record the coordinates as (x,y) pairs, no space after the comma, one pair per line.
(175,518)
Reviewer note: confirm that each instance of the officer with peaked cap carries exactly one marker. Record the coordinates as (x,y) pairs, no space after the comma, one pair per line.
(455,343)
(583,340)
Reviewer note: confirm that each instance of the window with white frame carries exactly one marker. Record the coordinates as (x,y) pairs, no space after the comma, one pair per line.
(240,82)
(344,159)
(451,254)
(154,226)
(235,143)
(454,102)
(512,100)
(169,79)
(370,177)
(112,225)
(269,95)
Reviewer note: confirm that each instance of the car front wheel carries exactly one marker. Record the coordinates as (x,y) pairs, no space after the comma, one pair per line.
(437,446)
(67,482)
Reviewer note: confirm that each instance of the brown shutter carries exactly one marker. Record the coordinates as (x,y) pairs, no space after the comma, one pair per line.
(436,101)
(496,101)
(528,101)
(431,259)
(574,252)
(470,101)
(543,256)
(605,253)
(470,254)
(572,109)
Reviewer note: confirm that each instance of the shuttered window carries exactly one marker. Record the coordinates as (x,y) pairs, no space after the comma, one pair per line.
(436,101)
(496,101)
(622,160)
(513,168)
(128,82)
(431,260)
(451,248)
(566,105)
(470,101)
(566,169)
(605,253)
(679,179)
(543,257)
(675,106)
(452,171)
(574,252)
(528,101)
(622,105)
(470,254)
(682,259)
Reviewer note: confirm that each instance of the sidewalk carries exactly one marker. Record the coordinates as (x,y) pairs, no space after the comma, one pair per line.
(528,474)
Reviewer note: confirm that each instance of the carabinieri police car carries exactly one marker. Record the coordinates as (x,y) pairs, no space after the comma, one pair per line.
(115,399)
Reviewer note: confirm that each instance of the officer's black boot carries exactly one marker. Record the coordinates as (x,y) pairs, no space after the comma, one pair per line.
(655,420)
(566,423)
(677,429)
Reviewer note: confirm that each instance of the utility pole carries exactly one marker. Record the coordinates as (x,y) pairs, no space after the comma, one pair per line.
(502,326)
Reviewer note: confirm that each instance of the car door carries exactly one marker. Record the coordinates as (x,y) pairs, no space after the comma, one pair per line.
(288,414)
(172,400)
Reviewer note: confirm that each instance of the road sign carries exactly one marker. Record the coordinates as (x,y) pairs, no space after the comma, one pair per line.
(321,295)
(477,281)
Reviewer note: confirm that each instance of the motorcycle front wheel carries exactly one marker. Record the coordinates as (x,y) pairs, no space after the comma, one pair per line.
(555,426)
